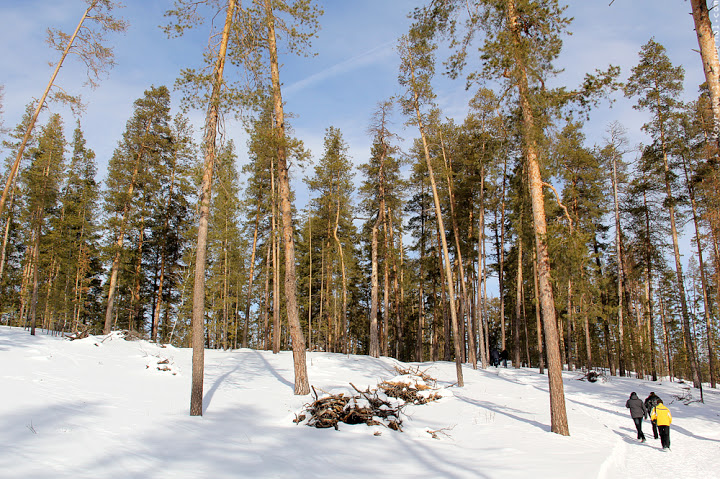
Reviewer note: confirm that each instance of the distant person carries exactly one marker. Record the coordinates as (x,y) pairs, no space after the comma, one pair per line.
(504,356)
(494,357)
(650,402)
(638,413)
(661,415)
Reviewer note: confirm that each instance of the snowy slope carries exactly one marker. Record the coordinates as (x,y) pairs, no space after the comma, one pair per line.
(100,408)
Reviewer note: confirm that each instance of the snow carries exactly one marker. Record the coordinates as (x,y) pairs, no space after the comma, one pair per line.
(111,408)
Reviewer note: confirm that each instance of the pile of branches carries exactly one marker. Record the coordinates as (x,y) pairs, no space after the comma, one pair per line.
(686,397)
(78,334)
(413,386)
(381,406)
(366,407)
(593,376)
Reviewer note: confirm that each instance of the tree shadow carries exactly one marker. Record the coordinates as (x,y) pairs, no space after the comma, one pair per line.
(505,411)
(207,399)
(273,371)
(685,432)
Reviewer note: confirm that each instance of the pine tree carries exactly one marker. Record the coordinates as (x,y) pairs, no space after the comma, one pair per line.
(658,83)
(169,222)
(381,190)
(131,181)
(332,211)
(416,70)
(86,42)
(224,262)
(76,234)
(304,14)
(42,182)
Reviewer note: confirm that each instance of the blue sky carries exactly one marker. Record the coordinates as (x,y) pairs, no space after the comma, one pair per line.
(354,68)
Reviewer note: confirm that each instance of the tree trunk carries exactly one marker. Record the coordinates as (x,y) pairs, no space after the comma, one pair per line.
(421,280)
(310,264)
(6,236)
(386,291)
(461,268)
(518,303)
(703,279)
(648,260)
(36,267)
(666,337)
(709,56)
(618,248)
(276,268)
(374,342)
(120,240)
(343,322)
(558,414)
(692,358)
(21,149)
(538,317)
(443,240)
(302,385)
(266,306)
(501,258)
(481,274)
(198,312)
(135,298)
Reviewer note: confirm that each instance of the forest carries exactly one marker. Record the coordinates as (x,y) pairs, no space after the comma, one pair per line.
(197,242)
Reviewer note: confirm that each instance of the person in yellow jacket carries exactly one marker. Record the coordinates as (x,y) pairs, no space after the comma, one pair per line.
(661,414)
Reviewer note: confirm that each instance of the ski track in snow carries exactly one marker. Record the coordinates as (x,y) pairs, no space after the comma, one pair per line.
(99,407)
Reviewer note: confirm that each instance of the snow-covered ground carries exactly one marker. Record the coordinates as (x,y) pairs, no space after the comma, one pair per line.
(100,408)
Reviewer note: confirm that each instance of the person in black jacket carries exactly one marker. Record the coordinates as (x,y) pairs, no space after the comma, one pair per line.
(637,412)
(494,357)
(504,356)
(650,402)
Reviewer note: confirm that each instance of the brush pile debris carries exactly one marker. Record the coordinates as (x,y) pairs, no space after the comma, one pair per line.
(381,406)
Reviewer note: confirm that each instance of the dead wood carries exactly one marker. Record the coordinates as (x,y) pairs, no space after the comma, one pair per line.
(381,406)
(78,334)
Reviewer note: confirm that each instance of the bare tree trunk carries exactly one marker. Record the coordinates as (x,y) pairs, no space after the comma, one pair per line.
(302,385)
(461,268)
(21,149)
(703,279)
(443,240)
(266,306)
(310,346)
(666,336)
(135,295)
(343,322)
(276,268)
(501,259)
(121,239)
(709,55)
(374,342)
(558,414)
(538,319)
(421,291)
(226,272)
(481,274)
(6,236)
(648,260)
(588,346)
(36,267)
(198,315)
(618,248)
(386,292)
(518,303)
(692,358)
(246,326)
